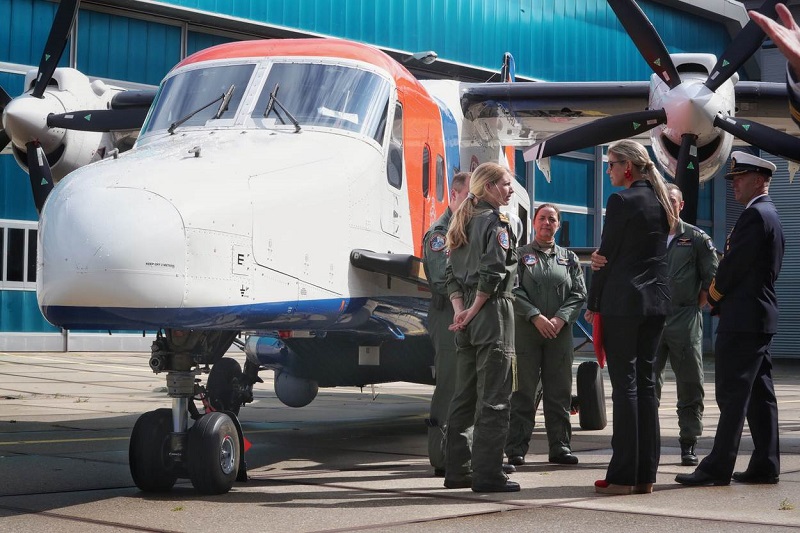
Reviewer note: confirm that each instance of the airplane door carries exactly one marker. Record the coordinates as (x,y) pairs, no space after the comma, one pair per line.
(392,207)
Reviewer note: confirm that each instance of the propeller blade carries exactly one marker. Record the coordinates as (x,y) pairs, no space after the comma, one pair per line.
(39,171)
(4,98)
(646,38)
(687,177)
(741,48)
(4,140)
(100,119)
(768,139)
(600,131)
(56,41)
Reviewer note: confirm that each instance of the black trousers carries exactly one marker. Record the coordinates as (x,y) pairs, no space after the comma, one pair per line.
(631,343)
(744,389)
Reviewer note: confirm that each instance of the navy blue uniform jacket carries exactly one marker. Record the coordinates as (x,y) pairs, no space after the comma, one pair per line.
(743,291)
(634,281)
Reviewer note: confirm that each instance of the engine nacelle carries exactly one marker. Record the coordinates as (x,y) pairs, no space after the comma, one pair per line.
(691,109)
(294,391)
(25,120)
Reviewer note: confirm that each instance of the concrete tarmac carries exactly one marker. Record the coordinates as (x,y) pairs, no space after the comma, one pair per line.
(353,460)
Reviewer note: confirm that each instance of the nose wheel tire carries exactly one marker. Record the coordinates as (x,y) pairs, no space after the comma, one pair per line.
(151,467)
(213,453)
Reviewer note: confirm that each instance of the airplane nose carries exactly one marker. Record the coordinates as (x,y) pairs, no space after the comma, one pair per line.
(25,120)
(111,248)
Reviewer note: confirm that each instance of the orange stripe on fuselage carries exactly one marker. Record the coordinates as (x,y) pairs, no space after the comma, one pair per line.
(421,116)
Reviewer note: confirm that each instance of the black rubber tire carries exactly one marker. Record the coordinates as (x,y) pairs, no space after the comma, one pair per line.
(222,387)
(591,396)
(213,454)
(151,467)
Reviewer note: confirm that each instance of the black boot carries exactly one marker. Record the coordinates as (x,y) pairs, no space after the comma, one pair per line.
(688,457)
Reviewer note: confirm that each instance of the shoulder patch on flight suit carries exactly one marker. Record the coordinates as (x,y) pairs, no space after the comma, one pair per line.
(530,259)
(710,244)
(502,238)
(683,241)
(438,242)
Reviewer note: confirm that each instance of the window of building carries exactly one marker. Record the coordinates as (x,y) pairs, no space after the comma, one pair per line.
(18,255)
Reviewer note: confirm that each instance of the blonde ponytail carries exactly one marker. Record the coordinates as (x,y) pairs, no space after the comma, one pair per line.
(482,176)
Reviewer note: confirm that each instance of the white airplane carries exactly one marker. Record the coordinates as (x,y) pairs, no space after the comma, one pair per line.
(277,189)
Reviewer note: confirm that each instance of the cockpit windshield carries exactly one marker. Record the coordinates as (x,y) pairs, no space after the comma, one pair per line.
(297,94)
(335,96)
(188,92)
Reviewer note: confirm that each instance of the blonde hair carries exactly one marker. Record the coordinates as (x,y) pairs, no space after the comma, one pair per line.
(637,154)
(482,176)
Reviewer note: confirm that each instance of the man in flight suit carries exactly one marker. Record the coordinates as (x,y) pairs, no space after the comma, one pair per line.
(692,262)
(440,316)
(743,295)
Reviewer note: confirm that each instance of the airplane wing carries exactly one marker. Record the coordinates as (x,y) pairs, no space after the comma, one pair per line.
(523,113)
(765,102)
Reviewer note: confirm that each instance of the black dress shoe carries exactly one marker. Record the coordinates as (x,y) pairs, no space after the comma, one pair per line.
(438,472)
(505,486)
(755,478)
(563,459)
(517,460)
(698,478)
(463,481)
(688,457)
(509,469)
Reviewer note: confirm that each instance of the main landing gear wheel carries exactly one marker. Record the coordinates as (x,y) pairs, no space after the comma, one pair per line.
(152,468)
(591,396)
(223,386)
(213,453)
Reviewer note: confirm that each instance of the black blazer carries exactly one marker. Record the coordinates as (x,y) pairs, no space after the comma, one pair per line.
(743,291)
(634,281)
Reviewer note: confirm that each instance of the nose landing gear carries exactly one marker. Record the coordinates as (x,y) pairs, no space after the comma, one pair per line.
(163,447)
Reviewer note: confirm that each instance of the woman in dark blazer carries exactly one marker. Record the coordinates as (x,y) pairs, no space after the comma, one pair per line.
(631,293)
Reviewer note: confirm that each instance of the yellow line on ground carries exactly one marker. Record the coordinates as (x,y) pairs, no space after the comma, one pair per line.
(60,441)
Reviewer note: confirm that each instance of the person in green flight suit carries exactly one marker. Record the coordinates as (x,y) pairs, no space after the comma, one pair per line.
(549,298)
(440,316)
(480,274)
(692,262)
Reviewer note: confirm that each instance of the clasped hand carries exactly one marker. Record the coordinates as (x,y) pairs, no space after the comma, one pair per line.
(549,328)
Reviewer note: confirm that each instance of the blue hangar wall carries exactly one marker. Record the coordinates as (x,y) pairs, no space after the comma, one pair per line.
(138,42)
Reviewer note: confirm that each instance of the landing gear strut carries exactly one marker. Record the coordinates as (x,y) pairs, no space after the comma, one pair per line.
(210,453)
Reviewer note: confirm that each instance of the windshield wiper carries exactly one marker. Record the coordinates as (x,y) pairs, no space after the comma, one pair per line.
(273,100)
(223,106)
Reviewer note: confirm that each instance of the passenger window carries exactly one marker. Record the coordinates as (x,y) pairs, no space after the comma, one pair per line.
(439,178)
(426,171)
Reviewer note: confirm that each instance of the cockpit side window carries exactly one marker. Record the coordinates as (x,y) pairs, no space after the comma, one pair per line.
(189,91)
(394,165)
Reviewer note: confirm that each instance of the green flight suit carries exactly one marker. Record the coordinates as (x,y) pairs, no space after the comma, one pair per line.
(485,348)
(692,262)
(551,284)
(440,317)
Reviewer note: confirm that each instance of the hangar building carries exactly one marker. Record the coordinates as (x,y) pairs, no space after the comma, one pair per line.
(134,43)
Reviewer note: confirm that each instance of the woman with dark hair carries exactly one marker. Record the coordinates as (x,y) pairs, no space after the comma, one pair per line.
(549,298)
